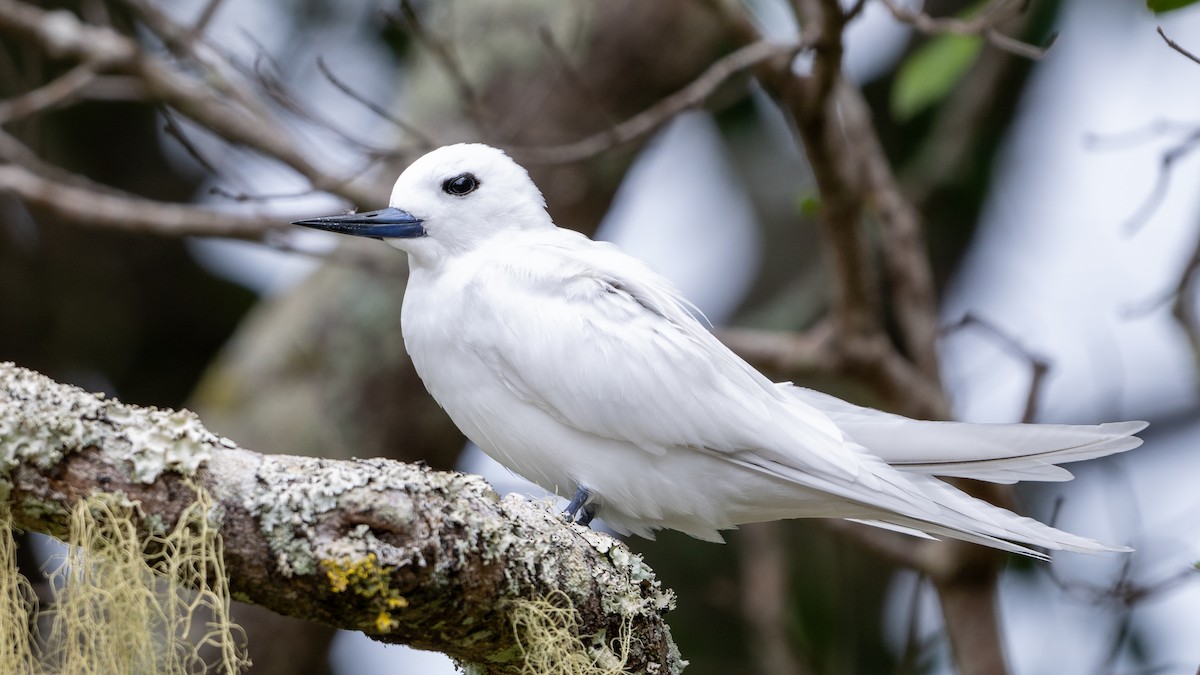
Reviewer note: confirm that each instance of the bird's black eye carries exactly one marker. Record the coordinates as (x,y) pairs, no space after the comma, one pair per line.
(462,184)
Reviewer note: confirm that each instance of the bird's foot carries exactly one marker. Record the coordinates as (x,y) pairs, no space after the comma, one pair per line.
(579,503)
(589,512)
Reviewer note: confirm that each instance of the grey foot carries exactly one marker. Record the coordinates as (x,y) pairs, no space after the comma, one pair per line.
(579,506)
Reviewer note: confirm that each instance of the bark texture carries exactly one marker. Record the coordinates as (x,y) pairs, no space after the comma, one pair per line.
(400,552)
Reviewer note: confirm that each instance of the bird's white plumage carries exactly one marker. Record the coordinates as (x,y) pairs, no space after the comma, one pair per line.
(576,365)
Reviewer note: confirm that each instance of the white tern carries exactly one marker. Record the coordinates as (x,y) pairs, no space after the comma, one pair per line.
(577,366)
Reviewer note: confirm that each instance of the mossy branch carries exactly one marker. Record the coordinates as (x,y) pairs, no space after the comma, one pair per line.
(400,552)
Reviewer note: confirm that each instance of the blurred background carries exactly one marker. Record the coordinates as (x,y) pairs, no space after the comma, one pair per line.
(1059,199)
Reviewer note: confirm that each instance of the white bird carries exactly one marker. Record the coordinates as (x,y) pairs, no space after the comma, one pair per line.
(577,366)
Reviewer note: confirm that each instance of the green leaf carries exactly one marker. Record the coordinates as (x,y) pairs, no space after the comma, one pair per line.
(1160,6)
(930,72)
(809,204)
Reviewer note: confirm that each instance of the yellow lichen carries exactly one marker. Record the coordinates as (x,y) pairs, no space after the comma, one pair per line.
(17,604)
(547,633)
(127,602)
(385,622)
(366,578)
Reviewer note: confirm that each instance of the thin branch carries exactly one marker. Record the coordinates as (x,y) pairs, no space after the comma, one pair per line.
(1177,47)
(400,552)
(202,21)
(449,60)
(1162,179)
(271,81)
(424,142)
(13,151)
(1183,309)
(61,34)
(1039,366)
(654,117)
(904,251)
(560,56)
(172,129)
(127,212)
(962,126)
(828,350)
(57,92)
(232,196)
(220,72)
(982,25)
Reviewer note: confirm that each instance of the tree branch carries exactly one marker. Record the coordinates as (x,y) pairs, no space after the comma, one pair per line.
(56,92)
(62,35)
(96,208)
(984,24)
(851,170)
(654,117)
(1177,47)
(400,552)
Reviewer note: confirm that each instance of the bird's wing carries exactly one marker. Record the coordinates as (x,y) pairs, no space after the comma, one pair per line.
(1000,453)
(607,346)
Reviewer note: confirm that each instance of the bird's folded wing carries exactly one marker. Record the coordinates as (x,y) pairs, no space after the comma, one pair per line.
(608,347)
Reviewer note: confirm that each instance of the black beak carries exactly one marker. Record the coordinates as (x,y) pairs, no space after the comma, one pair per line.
(389,223)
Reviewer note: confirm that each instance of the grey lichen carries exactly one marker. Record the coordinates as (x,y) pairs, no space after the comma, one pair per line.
(353,523)
(300,492)
(43,420)
(628,586)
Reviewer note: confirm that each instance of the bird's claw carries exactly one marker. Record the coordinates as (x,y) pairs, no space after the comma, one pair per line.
(579,506)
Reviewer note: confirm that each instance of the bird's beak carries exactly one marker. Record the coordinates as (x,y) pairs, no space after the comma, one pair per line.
(389,223)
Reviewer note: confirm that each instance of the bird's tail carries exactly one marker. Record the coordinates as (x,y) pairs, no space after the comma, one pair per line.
(975,520)
(998,453)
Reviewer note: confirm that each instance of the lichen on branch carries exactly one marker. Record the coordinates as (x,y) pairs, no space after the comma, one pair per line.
(402,553)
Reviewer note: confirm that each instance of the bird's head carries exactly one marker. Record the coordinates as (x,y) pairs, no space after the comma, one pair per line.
(447,202)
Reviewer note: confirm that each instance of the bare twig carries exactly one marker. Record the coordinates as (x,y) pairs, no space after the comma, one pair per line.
(654,117)
(129,213)
(1162,179)
(560,56)
(424,142)
(1183,308)
(61,34)
(247,197)
(1039,366)
(202,21)
(983,25)
(905,256)
(442,51)
(172,129)
(57,92)
(13,151)
(271,81)
(828,350)
(220,72)
(1177,47)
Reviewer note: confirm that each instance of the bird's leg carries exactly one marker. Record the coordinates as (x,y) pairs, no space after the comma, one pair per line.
(589,512)
(581,497)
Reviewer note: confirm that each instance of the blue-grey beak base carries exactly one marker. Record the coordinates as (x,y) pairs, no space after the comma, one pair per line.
(389,223)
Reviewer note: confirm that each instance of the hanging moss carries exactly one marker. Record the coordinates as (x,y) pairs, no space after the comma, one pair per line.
(124,602)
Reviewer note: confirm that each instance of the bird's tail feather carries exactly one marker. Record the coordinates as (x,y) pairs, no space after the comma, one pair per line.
(932,507)
(998,453)
(976,520)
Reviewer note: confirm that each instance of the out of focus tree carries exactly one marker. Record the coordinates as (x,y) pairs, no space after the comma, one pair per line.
(116,114)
